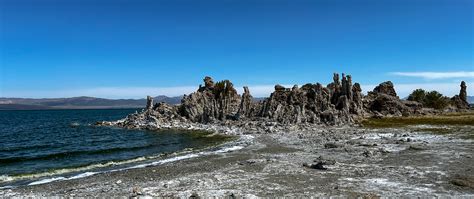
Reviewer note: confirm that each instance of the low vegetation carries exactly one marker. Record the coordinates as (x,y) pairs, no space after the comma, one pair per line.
(466,118)
(431,99)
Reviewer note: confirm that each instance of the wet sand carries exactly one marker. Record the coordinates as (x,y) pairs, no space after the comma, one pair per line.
(358,162)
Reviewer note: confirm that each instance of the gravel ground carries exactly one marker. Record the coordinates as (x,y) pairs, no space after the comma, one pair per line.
(345,161)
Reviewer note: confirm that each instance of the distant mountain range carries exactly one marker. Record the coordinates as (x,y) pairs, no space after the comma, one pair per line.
(79,103)
(82,103)
(470,99)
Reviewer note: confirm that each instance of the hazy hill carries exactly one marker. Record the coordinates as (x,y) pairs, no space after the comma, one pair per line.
(92,103)
(79,103)
(470,99)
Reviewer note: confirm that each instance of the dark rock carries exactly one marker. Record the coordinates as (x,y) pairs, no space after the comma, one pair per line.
(295,88)
(331,145)
(385,88)
(367,153)
(279,87)
(463,91)
(319,166)
(417,147)
(194,196)
(460,101)
(149,102)
(325,161)
(335,88)
(387,105)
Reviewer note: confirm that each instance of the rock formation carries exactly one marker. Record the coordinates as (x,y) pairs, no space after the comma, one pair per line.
(313,103)
(247,107)
(212,102)
(383,101)
(149,102)
(356,103)
(460,101)
(463,92)
(385,88)
(341,102)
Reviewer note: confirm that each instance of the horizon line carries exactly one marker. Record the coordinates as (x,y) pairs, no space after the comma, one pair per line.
(258,91)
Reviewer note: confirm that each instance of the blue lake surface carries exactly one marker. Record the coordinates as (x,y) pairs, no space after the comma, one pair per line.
(42,143)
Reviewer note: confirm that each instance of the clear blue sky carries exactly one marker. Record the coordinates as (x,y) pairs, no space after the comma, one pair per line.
(127,48)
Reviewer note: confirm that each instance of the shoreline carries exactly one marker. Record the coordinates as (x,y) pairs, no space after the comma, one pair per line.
(359,162)
(227,143)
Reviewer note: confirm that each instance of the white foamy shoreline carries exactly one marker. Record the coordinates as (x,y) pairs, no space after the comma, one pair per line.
(234,146)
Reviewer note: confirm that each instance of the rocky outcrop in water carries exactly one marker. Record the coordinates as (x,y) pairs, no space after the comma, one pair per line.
(340,102)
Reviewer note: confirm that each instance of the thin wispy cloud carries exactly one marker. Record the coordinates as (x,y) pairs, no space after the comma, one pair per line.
(436,75)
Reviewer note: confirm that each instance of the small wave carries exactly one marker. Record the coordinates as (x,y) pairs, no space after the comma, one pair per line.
(44,181)
(156,163)
(71,170)
(74,124)
(83,175)
(69,154)
(30,147)
(5,178)
(48,180)
(233,148)
(174,159)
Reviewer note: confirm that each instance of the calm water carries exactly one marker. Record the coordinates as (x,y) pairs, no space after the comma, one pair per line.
(39,144)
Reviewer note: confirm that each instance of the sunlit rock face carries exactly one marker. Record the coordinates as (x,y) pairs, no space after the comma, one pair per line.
(340,102)
(335,104)
(247,107)
(385,88)
(212,102)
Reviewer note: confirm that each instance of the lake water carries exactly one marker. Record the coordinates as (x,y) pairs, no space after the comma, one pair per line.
(43,144)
